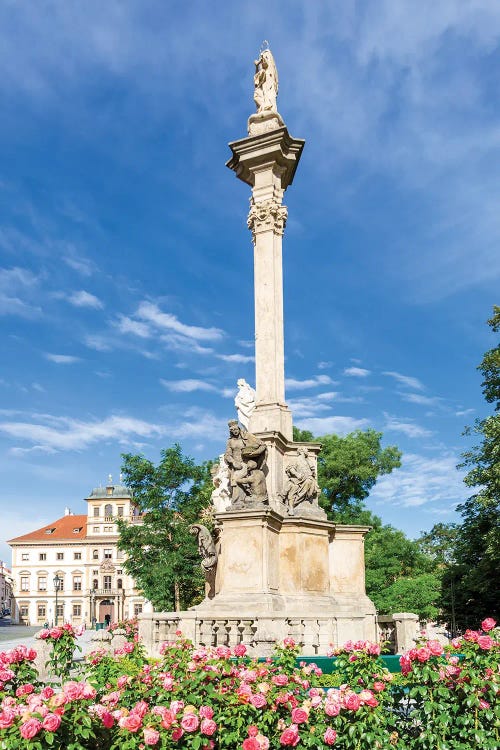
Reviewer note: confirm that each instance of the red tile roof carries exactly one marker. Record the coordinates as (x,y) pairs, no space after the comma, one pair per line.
(63,530)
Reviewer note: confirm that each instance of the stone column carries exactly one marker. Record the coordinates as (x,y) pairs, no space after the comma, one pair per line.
(267,162)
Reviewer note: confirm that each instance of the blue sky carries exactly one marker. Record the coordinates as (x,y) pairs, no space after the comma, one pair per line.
(126,298)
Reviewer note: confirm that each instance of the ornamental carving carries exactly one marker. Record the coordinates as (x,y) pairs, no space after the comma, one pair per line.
(267,215)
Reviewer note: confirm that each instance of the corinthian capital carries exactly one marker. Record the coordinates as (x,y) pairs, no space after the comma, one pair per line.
(267,215)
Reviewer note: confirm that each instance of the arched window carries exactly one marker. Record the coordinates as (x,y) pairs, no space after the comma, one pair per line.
(119,583)
(108,511)
(95,554)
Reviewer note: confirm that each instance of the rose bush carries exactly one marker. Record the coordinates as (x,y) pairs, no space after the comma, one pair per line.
(63,642)
(209,698)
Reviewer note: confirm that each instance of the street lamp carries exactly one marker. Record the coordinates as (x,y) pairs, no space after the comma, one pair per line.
(57,585)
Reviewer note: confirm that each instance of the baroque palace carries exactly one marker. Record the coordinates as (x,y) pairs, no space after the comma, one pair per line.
(72,570)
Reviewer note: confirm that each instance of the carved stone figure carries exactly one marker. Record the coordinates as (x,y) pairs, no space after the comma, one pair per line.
(244,402)
(265,82)
(253,484)
(241,448)
(301,484)
(208,554)
(221,496)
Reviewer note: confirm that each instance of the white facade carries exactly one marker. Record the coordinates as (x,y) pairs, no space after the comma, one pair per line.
(81,550)
(5,588)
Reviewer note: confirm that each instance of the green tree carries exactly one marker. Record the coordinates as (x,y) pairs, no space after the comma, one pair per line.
(439,543)
(416,593)
(348,468)
(470,586)
(162,555)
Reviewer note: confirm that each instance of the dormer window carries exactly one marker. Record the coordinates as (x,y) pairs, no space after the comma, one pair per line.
(49,531)
(77,530)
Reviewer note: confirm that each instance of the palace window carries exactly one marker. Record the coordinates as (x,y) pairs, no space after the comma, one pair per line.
(96,529)
(42,583)
(25,583)
(77,610)
(107,583)
(60,610)
(108,554)
(25,556)
(120,510)
(77,556)
(95,554)
(108,511)
(77,583)
(42,556)
(60,556)
(95,583)
(119,584)
(24,610)
(96,511)
(42,611)
(137,609)
(108,528)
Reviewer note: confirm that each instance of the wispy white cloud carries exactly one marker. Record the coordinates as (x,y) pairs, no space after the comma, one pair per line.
(62,359)
(295,385)
(417,398)
(406,380)
(97,341)
(324,365)
(150,312)
(408,427)
(338,425)
(129,325)
(78,262)
(85,299)
(188,386)
(238,358)
(357,372)
(17,287)
(464,412)
(49,433)
(421,481)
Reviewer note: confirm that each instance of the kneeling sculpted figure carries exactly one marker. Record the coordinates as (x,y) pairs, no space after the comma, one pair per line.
(245,455)
(208,553)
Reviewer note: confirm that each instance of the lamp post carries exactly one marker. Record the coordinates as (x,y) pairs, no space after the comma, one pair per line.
(57,586)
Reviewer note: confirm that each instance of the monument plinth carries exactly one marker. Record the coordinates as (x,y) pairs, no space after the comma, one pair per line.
(276,566)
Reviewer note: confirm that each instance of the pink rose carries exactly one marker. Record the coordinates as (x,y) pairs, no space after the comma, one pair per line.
(330,736)
(288,643)
(208,727)
(140,708)
(88,691)
(132,722)
(455,642)
(107,719)
(177,734)
(290,737)
(299,716)
(240,649)
(7,717)
(352,701)
(43,634)
(30,728)
(423,654)
(6,674)
(52,722)
(55,633)
(46,693)
(374,649)
(190,722)
(435,648)
(483,703)
(151,736)
(332,709)
(485,642)
(253,730)
(251,744)
(280,679)
(31,655)
(488,624)
(263,741)
(24,690)
(378,686)
(167,719)
(168,682)
(176,706)
(258,700)
(206,712)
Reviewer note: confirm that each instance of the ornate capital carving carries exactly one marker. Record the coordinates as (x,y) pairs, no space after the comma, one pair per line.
(267,215)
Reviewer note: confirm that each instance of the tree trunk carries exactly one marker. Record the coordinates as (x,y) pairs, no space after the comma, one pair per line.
(177,596)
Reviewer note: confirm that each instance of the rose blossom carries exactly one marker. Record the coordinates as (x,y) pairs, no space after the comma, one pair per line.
(240,649)
(352,701)
(190,722)
(488,624)
(299,716)
(24,690)
(330,736)
(290,736)
(483,703)
(208,727)
(107,719)
(177,734)
(176,706)
(140,708)
(55,633)
(378,686)
(332,709)
(435,648)
(132,722)
(251,744)
(30,728)
(374,649)
(52,722)
(206,712)
(485,642)
(47,693)
(258,700)
(423,654)
(288,643)
(151,736)
(7,717)
(280,679)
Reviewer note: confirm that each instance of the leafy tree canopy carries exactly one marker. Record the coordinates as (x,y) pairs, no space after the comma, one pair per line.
(162,555)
